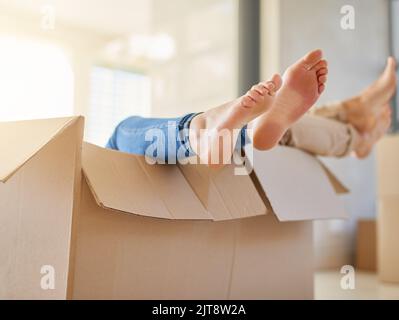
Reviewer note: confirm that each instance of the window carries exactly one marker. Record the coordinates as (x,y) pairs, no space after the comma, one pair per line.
(36,80)
(115,95)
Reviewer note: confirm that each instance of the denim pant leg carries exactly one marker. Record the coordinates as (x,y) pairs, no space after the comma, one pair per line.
(165,140)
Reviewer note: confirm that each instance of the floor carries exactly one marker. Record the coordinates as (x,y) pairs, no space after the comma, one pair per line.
(367,287)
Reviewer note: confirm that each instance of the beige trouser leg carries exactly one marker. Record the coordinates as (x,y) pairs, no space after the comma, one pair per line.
(320,133)
(334,111)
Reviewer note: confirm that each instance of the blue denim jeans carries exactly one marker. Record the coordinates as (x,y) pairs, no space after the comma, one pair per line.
(166,140)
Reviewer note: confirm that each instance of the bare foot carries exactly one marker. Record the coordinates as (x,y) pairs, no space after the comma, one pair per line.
(225,123)
(303,84)
(364,110)
(369,139)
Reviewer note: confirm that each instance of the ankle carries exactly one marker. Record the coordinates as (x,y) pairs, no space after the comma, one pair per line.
(197,125)
(262,144)
(352,107)
(267,139)
(356,113)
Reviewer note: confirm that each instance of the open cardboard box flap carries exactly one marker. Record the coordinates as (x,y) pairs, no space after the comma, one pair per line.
(40,170)
(127,183)
(297,186)
(22,140)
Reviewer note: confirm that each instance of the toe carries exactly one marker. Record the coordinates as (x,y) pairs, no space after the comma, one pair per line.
(255,95)
(260,88)
(278,81)
(273,85)
(248,102)
(269,86)
(322,72)
(312,58)
(323,64)
(387,111)
(390,70)
(390,110)
(322,79)
(391,63)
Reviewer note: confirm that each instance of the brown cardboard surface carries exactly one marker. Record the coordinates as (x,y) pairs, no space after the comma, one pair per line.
(338,186)
(126,183)
(200,181)
(23,139)
(366,245)
(388,238)
(226,195)
(296,185)
(273,260)
(388,165)
(388,208)
(131,257)
(76,206)
(34,232)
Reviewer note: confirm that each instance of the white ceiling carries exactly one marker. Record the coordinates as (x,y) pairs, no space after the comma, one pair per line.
(109,16)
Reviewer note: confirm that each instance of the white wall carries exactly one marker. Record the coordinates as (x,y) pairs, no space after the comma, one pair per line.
(356,57)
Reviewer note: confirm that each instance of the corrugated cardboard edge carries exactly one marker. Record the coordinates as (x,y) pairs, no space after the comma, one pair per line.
(71,121)
(96,198)
(262,193)
(102,203)
(173,217)
(338,186)
(195,190)
(103,206)
(76,207)
(225,198)
(86,180)
(160,201)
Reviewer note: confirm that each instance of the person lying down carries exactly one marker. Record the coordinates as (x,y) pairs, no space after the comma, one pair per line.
(271,113)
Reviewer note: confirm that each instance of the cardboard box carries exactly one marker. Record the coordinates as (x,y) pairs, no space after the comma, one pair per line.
(388,209)
(130,230)
(366,245)
(40,171)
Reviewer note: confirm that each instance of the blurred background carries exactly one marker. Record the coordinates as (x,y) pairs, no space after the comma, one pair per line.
(110,59)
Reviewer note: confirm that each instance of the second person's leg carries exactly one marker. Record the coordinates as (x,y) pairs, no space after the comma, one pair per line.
(327,137)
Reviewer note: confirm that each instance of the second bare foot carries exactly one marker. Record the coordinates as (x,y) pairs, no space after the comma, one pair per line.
(369,139)
(364,110)
(303,84)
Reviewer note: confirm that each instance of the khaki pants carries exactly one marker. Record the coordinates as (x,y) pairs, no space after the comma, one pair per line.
(323,132)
